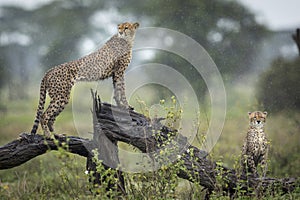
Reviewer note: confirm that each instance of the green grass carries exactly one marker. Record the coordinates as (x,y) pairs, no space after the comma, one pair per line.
(50,176)
(59,175)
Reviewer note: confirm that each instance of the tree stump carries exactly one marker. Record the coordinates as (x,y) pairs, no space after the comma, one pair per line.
(107,153)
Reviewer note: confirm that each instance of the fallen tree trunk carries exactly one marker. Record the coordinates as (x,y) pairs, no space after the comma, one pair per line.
(29,146)
(146,135)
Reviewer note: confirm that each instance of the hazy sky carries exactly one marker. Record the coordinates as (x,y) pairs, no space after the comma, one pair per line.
(276,14)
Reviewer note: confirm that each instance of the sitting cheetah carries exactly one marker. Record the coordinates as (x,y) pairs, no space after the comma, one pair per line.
(255,148)
(109,61)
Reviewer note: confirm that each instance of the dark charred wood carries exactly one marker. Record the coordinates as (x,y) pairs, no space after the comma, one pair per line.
(28,146)
(107,151)
(147,136)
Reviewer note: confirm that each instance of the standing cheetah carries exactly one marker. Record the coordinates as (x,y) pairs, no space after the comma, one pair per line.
(255,148)
(109,61)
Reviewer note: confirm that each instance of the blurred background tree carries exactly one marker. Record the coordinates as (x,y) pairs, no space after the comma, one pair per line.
(279,88)
(52,34)
(226,29)
(34,40)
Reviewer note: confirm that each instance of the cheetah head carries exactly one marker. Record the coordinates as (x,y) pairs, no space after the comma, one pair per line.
(127,30)
(257,118)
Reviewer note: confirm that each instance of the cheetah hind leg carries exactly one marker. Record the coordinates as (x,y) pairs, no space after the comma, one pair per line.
(55,107)
(44,124)
(50,125)
(53,118)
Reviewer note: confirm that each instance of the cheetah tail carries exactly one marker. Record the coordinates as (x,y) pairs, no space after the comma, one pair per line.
(40,108)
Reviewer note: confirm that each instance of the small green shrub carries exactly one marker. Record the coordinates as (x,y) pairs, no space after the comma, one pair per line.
(107,188)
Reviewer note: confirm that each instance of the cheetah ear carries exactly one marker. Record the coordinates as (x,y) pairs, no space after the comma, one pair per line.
(136,25)
(266,113)
(249,113)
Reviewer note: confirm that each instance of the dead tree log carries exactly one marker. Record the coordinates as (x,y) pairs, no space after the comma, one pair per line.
(107,152)
(29,146)
(136,129)
(146,135)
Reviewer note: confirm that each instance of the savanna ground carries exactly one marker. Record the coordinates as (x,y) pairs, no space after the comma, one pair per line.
(60,175)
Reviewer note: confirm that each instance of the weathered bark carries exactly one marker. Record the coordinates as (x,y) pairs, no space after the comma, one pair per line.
(136,129)
(146,135)
(107,151)
(28,146)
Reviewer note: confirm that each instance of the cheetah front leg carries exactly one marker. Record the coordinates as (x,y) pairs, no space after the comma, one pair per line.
(248,164)
(264,162)
(119,90)
(251,165)
(243,160)
(264,166)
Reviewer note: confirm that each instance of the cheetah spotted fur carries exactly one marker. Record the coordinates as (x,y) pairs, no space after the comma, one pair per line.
(109,61)
(255,148)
